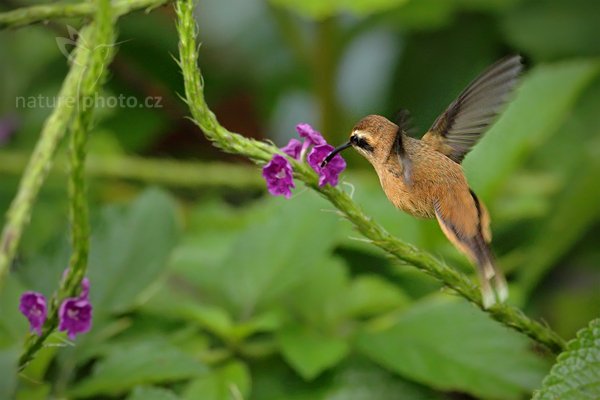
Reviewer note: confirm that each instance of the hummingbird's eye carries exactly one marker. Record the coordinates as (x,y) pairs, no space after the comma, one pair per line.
(353,139)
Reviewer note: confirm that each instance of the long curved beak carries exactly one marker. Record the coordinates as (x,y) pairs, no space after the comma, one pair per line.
(334,152)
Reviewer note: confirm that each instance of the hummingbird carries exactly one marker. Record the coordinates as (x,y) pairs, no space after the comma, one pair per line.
(424,178)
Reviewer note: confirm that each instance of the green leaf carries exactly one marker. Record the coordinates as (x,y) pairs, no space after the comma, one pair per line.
(371,295)
(142,363)
(322,9)
(152,393)
(451,345)
(319,300)
(546,96)
(270,258)
(129,250)
(575,208)
(310,352)
(230,382)
(576,374)
(212,229)
(366,381)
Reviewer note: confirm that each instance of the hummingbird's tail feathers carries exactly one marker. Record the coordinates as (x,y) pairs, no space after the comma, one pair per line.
(478,251)
(491,272)
(500,286)
(487,292)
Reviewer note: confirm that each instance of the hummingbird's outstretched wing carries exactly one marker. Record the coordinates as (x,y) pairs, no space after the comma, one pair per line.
(459,128)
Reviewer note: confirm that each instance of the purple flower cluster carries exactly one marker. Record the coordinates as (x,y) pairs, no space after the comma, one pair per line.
(278,172)
(74,314)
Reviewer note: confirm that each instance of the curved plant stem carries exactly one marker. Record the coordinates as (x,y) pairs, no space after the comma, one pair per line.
(174,173)
(98,36)
(29,15)
(35,173)
(261,152)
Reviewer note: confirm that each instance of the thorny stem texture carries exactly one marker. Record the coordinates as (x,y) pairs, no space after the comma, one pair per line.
(93,54)
(261,152)
(29,15)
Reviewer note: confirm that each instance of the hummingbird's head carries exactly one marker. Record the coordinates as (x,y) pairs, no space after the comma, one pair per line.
(372,137)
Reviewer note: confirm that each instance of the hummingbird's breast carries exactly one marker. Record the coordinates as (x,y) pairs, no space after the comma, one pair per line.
(430,176)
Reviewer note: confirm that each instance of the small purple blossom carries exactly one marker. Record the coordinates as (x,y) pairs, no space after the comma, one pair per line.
(330,173)
(33,306)
(293,148)
(75,315)
(312,136)
(278,174)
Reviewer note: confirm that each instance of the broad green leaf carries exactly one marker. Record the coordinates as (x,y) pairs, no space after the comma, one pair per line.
(273,379)
(214,319)
(129,250)
(274,255)
(310,352)
(576,374)
(366,381)
(230,382)
(576,210)
(370,295)
(319,299)
(141,364)
(322,9)
(451,345)
(573,155)
(212,228)
(152,393)
(546,96)
(172,302)
(550,29)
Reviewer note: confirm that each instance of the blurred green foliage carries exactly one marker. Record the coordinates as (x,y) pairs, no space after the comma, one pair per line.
(224,293)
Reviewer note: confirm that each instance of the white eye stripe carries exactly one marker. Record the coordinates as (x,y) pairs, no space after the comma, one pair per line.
(359,134)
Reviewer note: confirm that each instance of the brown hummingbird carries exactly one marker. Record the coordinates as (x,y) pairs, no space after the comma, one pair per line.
(424,177)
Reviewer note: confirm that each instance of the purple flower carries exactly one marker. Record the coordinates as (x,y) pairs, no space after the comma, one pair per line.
(293,148)
(278,174)
(33,306)
(312,136)
(75,315)
(330,173)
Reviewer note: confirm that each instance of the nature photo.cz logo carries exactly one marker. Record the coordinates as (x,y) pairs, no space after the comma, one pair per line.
(98,100)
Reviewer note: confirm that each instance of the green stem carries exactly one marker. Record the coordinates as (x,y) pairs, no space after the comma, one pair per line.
(90,85)
(35,173)
(29,15)
(100,37)
(261,152)
(183,174)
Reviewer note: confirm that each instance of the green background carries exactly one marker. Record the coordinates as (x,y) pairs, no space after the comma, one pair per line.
(204,287)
